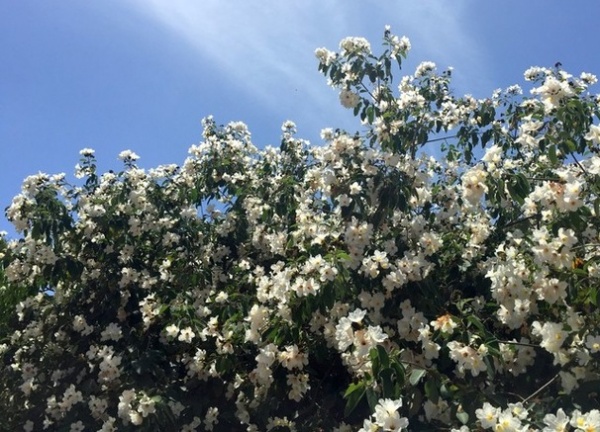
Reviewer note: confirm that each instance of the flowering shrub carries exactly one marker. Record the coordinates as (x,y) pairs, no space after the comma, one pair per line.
(438,271)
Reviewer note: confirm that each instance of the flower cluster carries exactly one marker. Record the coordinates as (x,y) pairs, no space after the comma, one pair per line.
(438,270)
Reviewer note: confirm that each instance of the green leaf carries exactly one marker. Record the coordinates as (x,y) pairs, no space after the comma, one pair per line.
(489,368)
(473,320)
(445,392)
(372,76)
(371,114)
(552,154)
(518,187)
(416,375)
(375,363)
(463,417)
(431,390)
(592,297)
(416,402)
(523,183)
(400,373)
(486,136)
(387,384)
(388,65)
(372,398)
(353,396)
(384,358)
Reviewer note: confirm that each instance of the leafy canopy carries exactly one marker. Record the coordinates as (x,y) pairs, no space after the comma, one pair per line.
(438,270)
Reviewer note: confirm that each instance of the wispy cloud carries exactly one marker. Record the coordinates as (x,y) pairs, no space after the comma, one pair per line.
(267,47)
(442,31)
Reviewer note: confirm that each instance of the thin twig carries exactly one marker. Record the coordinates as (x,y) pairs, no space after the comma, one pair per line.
(440,139)
(518,221)
(517,395)
(518,343)
(578,164)
(535,393)
(550,179)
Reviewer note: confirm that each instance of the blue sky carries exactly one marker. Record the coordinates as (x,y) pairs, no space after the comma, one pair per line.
(141,74)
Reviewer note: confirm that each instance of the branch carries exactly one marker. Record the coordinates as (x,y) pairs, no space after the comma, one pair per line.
(578,164)
(518,221)
(440,139)
(555,180)
(518,343)
(542,387)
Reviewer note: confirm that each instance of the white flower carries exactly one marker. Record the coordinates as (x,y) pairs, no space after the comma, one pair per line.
(355,188)
(172,331)
(493,156)
(128,155)
(97,406)
(288,126)
(586,422)
(135,418)
(400,45)
(186,335)
(146,406)
(357,315)
(425,68)
(387,417)
(349,99)
(292,358)
(444,323)
(80,325)
(325,56)
(112,332)
(518,410)
(473,183)
(211,418)
(487,415)
(221,297)
(568,381)
(176,407)
(369,426)
(593,343)
(355,45)
(77,427)
(553,92)
(467,358)
(593,134)
(552,335)
(588,78)
(536,73)
(299,386)
(507,422)
(344,334)
(556,423)
(376,334)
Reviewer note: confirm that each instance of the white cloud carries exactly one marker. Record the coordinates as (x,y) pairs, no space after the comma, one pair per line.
(441,31)
(267,47)
(258,44)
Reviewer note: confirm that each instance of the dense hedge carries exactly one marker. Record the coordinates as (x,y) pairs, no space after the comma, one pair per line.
(438,270)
